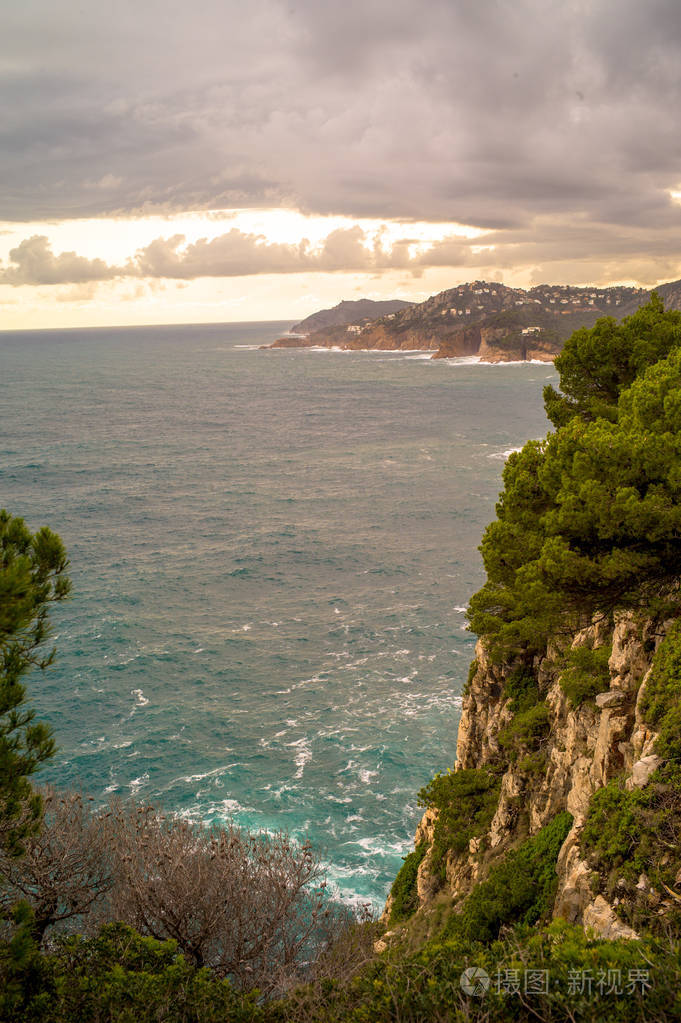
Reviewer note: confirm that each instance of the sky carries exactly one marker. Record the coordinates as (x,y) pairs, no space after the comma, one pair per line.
(228,160)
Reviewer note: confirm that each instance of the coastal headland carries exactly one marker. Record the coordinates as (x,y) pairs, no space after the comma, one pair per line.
(488,320)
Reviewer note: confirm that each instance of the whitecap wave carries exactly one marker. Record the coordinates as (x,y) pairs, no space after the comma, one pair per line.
(303,756)
(503,455)
(137,783)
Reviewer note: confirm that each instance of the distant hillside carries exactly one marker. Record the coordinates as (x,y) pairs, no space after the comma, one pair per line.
(670,294)
(490,320)
(348,312)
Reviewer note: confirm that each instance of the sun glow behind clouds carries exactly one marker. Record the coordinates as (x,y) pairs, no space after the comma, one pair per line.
(127,300)
(116,239)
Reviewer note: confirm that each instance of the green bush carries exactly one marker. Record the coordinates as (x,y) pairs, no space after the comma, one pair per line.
(629,833)
(661,698)
(403,892)
(593,981)
(472,668)
(525,731)
(586,673)
(632,832)
(522,689)
(466,801)
(521,888)
(118,976)
(533,763)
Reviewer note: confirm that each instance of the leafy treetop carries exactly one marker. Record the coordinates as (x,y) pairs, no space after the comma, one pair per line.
(597,364)
(32,576)
(590,518)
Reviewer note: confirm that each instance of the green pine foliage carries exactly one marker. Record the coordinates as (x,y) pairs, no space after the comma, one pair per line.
(597,365)
(32,577)
(117,976)
(466,801)
(522,689)
(586,673)
(526,732)
(589,520)
(661,698)
(404,892)
(576,978)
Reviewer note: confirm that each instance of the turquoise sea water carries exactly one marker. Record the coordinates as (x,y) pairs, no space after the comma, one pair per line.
(271,553)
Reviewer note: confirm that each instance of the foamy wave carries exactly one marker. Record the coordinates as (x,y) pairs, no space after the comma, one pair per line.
(503,455)
(137,783)
(205,774)
(516,362)
(375,845)
(303,756)
(461,360)
(140,698)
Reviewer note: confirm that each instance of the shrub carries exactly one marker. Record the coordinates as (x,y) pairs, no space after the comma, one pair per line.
(593,981)
(472,668)
(403,892)
(521,888)
(586,673)
(120,976)
(252,907)
(522,689)
(629,833)
(525,731)
(661,699)
(66,869)
(466,801)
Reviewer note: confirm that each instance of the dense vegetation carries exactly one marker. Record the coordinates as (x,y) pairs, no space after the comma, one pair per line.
(404,893)
(466,801)
(586,673)
(32,576)
(519,889)
(589,519)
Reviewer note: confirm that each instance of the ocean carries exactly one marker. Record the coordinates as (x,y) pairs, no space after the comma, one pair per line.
(271,555)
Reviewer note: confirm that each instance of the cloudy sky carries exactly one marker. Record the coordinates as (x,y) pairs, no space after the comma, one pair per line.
(221,160)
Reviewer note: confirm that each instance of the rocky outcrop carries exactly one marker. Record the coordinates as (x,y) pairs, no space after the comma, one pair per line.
(585,747)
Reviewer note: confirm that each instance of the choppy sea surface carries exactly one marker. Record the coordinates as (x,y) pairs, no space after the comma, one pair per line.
(271,555)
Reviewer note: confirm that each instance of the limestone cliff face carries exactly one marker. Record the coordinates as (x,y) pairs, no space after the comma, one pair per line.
(585,748)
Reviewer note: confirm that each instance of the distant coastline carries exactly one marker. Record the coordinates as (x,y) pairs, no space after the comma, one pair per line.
(485,319)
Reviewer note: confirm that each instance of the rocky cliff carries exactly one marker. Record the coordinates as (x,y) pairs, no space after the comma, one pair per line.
(580,748)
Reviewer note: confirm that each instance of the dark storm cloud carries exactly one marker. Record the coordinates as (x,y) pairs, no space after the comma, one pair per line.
(491,113)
